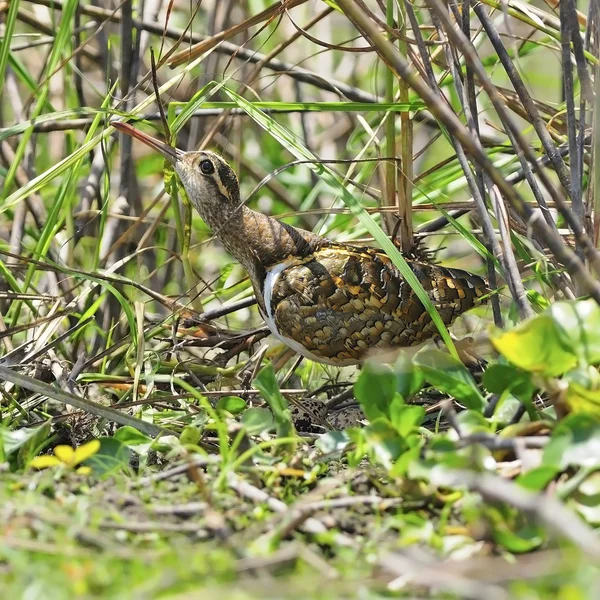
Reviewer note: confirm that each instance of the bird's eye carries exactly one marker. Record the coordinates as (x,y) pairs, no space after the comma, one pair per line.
(206,167)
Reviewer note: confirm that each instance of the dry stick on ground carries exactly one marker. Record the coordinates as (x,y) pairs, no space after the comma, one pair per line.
(490,240)
(457,129)
(434,577)
(49,391)
(305,521)
(550,511)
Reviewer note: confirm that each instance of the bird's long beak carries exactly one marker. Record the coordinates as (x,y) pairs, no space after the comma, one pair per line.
(173,155)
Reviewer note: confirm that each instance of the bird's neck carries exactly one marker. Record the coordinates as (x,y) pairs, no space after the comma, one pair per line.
(259,242)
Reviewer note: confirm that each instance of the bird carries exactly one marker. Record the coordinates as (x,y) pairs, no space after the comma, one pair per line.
(331,302)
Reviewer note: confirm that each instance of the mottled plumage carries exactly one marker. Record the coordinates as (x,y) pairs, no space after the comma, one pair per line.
(341,303)
(331,302)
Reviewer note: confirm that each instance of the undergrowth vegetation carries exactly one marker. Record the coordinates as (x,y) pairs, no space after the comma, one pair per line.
(156,441)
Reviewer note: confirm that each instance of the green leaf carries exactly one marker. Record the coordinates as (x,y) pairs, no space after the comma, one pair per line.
(257,420)
(587,498)
(27,443)
(333,442)
(498,379)
(450,376)
(375,389)
(536,346)
(578,328)
(12,441)
(472,422)
(190,435)
(266,383)
(113,456)
(131,436)
(525,540)
(507,379)
(194,103)
(234,405)
(537,479)
(406,419)
(409,380)
(574,442)
(385,442)
(583,391)
(406,459)
(536,299)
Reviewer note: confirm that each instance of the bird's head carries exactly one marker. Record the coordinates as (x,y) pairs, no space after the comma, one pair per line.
(210,183)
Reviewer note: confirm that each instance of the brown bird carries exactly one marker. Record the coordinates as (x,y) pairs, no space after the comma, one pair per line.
(331,302)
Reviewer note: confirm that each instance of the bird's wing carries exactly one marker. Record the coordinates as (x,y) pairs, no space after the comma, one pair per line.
(340,302)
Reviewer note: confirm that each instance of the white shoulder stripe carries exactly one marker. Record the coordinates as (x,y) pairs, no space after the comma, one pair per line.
(270,280)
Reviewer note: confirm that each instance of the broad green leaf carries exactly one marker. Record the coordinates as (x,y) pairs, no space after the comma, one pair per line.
(583,391)
(332,442)
(385,442)
(450,376)
(190,435)
(232,404)
(266,383)
(375,389)
(409,380)
(472,422)
(502,379)
(581,400)
(499,378)
(257,420)
(537,479)
(578,328)
(406,419)
(406,459)
(586,499)
(112,456)
(575,442)
(24,444)
(131,436)
(535,346)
